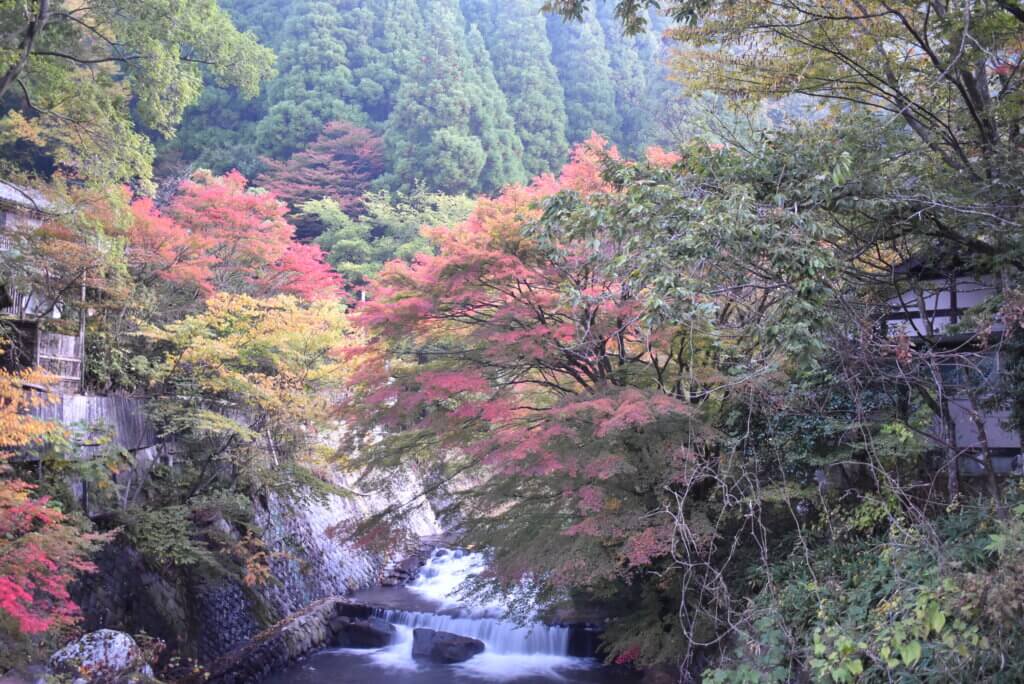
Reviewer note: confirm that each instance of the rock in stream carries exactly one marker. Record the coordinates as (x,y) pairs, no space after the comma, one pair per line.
(444,647)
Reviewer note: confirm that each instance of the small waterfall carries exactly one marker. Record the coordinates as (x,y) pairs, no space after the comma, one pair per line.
(499,636)
(439,581)
(513,653)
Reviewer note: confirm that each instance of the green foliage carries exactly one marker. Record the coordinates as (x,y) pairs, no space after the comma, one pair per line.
(643,632)
(632,13)
(581,57)
(87,71)
(196,536)
(166,537)
(665,387)
(467,94)
(515,36)
(313,83)
(636,76)
(450,124)
(390,228)
(891,606)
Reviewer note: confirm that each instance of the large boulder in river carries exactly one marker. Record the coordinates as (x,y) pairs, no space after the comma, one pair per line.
(371,632)
(444,647)
(104,655)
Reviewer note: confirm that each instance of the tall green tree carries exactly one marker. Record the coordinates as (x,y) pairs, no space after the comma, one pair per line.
(382,42)
(74,76)
(316,84)
(493,123)
(638,77)
(584,69)
(516,38)
(218,133)
(449,126)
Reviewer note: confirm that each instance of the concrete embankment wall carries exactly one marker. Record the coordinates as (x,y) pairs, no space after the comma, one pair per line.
(291,639)
(312,561)
(206,617)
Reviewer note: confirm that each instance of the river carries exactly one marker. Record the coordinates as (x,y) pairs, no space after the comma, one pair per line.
(515,654)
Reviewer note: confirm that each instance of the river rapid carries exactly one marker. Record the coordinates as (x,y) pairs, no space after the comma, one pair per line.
(517,654)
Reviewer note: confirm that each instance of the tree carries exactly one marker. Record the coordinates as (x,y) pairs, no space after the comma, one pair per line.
(516,39)
(584,69)
(519,359)
(493,124)
(889,58)
(877,65)
(633,75)
(374,62)
(243,387)
(339,164)
(359,51)
(315,86)
(217,133)
(73,76)
(217,235)
(634,14)
(382,36)
(389,229)
(246,384)
(161,249)
(449,125)
(42,551)
(789,250)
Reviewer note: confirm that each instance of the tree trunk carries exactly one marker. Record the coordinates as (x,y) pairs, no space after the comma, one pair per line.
(32,31)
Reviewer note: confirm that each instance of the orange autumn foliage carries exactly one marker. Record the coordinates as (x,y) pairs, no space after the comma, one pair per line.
(41,553)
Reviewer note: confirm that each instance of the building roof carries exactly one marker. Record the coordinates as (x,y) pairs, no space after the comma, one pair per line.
(930,264)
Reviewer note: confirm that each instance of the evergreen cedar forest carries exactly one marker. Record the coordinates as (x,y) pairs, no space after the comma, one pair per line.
(612,275)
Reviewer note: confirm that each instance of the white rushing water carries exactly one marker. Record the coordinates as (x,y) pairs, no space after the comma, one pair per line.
(446,569)
(493,665)
(511,650)
(499,636)
(440,580)
(534,653)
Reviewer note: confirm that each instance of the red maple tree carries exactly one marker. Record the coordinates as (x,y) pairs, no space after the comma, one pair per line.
(339,164)
(523,352)
(160,248)
(41,553)
(218,235)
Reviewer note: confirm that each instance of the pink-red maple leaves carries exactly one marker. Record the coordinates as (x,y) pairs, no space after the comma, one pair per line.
(40,552)
(339,164)
(525,351)
(217,234)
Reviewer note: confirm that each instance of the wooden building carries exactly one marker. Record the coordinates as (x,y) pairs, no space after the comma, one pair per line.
(29,318)
(931,309)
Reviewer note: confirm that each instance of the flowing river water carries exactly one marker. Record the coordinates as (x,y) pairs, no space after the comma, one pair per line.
(516,654)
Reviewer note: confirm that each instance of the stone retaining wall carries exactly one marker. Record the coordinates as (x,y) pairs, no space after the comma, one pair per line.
(314,563)
(205,617)
(291,639)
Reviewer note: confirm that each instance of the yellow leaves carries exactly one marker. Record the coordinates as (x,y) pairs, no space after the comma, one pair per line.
(21,392)
(257,558)
(277,357)
(16,128)
(860,51)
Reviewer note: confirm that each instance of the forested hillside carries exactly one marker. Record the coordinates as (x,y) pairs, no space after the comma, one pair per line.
(468,96)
